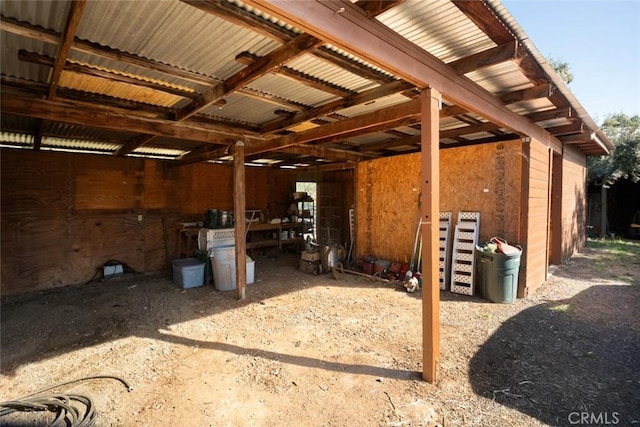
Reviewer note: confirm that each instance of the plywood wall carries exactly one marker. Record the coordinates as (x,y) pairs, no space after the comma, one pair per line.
(64,215)
(484,178)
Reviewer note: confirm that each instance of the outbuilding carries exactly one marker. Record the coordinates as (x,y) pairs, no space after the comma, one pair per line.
(122,120)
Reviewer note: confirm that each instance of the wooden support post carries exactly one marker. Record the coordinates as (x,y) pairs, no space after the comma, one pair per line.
(239,204)
(431,101)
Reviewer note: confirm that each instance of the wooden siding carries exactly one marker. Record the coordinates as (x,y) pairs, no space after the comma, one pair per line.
(64,215)
(484,178)
(574,202)
(535,258)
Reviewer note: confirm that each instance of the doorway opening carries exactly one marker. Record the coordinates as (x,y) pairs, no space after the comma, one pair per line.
(306,208)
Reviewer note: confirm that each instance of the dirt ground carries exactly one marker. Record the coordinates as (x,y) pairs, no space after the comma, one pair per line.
(309,350)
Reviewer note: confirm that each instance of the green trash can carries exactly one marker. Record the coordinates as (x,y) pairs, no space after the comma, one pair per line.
(204,256)
(498,275)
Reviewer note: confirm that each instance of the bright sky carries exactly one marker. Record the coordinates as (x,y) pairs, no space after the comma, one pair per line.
(599,39)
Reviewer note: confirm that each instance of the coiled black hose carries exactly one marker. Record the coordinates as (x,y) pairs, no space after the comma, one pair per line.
(65,406)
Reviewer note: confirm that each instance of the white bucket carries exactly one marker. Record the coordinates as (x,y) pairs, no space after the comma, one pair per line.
(223,263)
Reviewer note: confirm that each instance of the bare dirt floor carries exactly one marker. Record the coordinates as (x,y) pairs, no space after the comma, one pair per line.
(305,350)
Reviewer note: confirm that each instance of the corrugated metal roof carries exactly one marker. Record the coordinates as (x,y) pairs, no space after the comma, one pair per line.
(498,8)
(500,78)
(293,90)
(49,15)
(331,73)
(135,71)
(92,84)
(241,109)
(11,66)
(183,36)
(83,132)
(206,44)
(438,27)
(15,139)
(49,142)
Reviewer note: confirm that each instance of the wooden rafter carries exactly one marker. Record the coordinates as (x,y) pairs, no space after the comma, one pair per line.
(374,8)
(385,118)
(248,58)
(324,153)
(576,127)
(352,31)
(477,12)
(286,52)
(362,97)
(267,28)
(555,113)
(505,52)
(536,92)
(41,89)
(390,143)
(73,22)
(578,138)
(35,58)
(111,118)
(481,14)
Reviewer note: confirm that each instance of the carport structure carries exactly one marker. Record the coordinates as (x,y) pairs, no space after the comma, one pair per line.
(291,85)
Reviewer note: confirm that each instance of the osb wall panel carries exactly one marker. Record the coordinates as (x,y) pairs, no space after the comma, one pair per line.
(281,186)
(387,206)
(64,215)
(206,186)
(487,179)
(161,186)
(108,183)
(574,202)
(483,178)
(536,248)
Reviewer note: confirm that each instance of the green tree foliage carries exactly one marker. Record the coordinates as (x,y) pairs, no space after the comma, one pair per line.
(624,162)
(562,68)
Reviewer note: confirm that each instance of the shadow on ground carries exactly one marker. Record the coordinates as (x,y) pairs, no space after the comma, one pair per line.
(570,362)
(48,323)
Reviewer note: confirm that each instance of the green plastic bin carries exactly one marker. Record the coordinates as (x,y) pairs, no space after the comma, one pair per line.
(498,276)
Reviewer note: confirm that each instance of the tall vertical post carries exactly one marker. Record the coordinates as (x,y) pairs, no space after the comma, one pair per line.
(239,207)
(430,229)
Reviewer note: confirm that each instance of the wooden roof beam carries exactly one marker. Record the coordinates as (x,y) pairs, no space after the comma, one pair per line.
(206,154)
(325,153)
(248,58)
(478,12)
(536,92)
(35,58)
(390,143)
(374,8)
(241,17)
(266,64)
(76,95)
(380,46)
(330,107)
(468,130)
(505,52)
(555,113)
(376,121)
(73,22)
(111,118)
(576,127)
(487,140)
(581,138)
(481,14)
